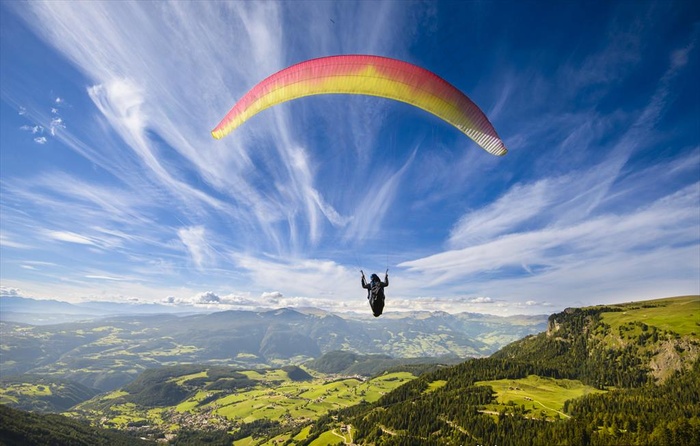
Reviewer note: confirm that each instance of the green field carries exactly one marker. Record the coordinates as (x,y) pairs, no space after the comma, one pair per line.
(539,396)
(298,400)
(433,386)
(273,396)
(13,392)
(678,314)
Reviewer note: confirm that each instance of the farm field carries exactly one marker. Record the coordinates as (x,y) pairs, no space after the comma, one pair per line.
(302,400)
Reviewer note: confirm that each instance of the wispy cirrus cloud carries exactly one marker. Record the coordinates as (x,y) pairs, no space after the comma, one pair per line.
(105,277)
(313,188)
(610,247)
(69,237)
(561,226)
(134,92)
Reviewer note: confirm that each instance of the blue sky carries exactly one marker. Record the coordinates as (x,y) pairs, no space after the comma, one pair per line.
(113,189)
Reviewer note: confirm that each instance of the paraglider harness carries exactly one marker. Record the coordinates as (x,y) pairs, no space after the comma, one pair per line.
(375,292)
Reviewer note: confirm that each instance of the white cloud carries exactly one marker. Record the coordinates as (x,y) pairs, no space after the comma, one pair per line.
(122,103)
(271,295)
(371,212)
(300,277)
(55,125)
(10,292)
(481,300)
(207,297)
(52,122)
(214,300)
(34,129)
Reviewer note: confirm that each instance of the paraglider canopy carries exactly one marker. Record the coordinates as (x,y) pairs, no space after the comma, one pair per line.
(367,75)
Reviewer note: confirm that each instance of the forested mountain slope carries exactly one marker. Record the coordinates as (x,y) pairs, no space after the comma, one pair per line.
(24,428)
(644,354)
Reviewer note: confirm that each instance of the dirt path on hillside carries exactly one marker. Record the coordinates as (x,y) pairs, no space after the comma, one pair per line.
(492,412)
(460,428)
(345,440)
(554,410)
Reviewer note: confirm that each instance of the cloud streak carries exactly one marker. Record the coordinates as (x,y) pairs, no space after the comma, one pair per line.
(559,229)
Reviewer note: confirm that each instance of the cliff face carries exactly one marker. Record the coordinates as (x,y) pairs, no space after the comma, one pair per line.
(672,355)
(555,320)
(553,326)
(624,345)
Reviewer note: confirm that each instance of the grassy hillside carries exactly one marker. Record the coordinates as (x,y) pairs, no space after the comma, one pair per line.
(549,388)
(535,395)
(679,315)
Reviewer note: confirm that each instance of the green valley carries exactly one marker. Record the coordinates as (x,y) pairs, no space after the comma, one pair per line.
(611,374)
(163,402)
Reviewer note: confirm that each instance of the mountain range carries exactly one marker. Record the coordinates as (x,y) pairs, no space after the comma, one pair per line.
(106,352)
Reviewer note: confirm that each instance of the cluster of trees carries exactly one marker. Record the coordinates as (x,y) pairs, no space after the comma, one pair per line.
(257,429)
(668,414)
(19,427)
(153,389)
(188,437)
(336,361)
(349,363)
(297,373)
(159,395)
